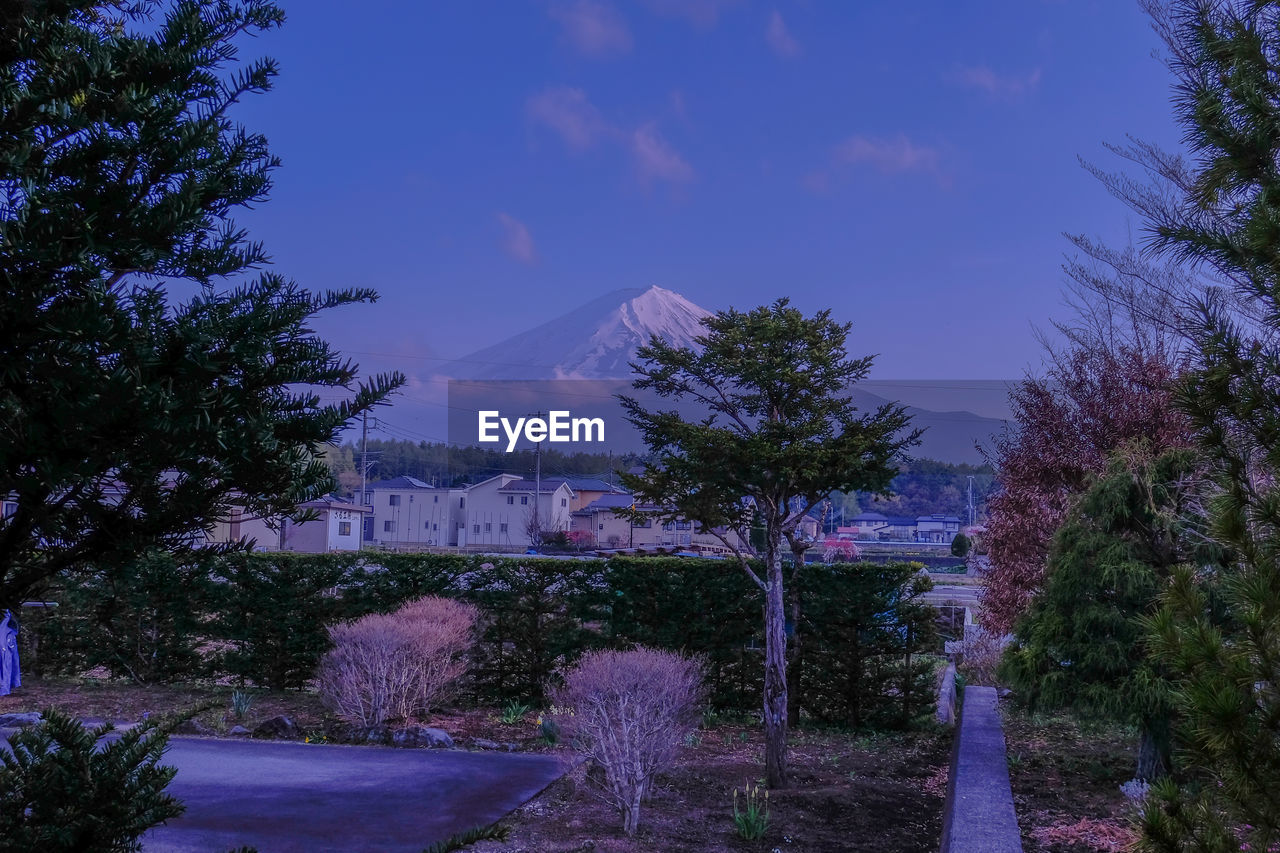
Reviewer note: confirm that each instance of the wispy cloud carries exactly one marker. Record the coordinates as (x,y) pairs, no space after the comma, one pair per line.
(983,78)
(593,28)
(898,154)
(703,14)
(780,38)
(887,155)
(516,240)
(570,114)
(655,158)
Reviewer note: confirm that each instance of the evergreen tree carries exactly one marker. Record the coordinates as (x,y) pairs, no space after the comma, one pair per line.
(1081,643)
(128,417)
(1226,59)
(779,435)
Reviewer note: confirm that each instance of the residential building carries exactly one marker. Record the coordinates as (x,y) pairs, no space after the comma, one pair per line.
(500,511)
(408,511)
(937,528)
(497,512)
(338,525)
(610,525)
(865,525)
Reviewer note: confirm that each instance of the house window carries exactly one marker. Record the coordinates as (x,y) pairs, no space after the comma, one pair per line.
(435,527)
(524,499)
(502,527)
(394,500)
(368,499)
(475,528)
(564,502)
(683,525)
(667,525)
(344,528)
(388,526)
(462,502)
(435,499)
(488,527)
(511,499)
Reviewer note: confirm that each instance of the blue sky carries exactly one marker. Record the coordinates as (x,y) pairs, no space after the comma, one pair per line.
(490,165)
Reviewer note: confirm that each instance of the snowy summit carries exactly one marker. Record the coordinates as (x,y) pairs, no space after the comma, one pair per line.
(596,341)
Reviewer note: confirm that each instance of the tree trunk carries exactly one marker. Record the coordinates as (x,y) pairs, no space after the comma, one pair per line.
(775,675)
(1154,750)
(793,642)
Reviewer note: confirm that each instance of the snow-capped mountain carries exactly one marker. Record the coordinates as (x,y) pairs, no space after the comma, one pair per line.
(596,341)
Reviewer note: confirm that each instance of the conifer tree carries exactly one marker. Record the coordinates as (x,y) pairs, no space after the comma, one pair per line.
(776,434)
(131,416)
(1226,59)
(1081,644)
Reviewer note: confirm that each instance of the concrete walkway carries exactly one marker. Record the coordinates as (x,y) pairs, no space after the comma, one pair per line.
(980,817)
(286,796)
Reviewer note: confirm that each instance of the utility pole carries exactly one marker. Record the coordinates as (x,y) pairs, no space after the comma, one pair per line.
(364,459)
(971,508)
(537,486)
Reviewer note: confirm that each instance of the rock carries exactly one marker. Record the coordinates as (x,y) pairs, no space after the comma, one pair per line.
(481,743)
(193,727)
(436,738)
(278,728)
(422,736)
(20,721)
(239,731)
(511,747)
(377,734)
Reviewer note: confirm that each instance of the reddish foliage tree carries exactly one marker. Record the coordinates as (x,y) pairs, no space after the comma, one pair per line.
(1092,400)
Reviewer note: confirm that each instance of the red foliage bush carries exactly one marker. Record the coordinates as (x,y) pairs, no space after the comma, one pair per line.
(629,711)
(395,666)
(1067,424)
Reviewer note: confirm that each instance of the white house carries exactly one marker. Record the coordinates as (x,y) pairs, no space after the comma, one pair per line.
(407,511)
(497,512)
(338,526)
(500,511)
(937,528)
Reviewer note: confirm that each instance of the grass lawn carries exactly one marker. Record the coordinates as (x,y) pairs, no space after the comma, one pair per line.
(850,792)
(1066,778)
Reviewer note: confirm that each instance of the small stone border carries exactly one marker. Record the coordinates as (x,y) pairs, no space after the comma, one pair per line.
(979,816)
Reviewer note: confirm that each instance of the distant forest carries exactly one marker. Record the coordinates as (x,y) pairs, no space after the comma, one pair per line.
(922,487)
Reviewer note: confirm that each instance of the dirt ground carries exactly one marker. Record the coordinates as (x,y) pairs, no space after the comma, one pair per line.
(1066,780)
(849,792)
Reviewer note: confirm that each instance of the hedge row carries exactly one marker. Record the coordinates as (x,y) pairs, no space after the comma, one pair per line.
(261,618)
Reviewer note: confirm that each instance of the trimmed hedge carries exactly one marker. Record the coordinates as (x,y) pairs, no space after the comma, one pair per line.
(262,618)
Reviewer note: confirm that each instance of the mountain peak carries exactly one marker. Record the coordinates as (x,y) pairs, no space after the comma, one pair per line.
(595,341)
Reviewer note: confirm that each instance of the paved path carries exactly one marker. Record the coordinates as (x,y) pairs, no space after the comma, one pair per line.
(285,796)
(965,595)
(980,817)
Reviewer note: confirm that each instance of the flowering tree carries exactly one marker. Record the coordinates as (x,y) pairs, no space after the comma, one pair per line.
(837,550)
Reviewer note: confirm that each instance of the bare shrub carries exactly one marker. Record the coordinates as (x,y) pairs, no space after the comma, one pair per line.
(395,666)
(981,655)
(629,711)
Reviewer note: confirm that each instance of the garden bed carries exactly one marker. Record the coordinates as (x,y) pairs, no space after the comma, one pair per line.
(1066,779)
(125,702)
(850,792)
